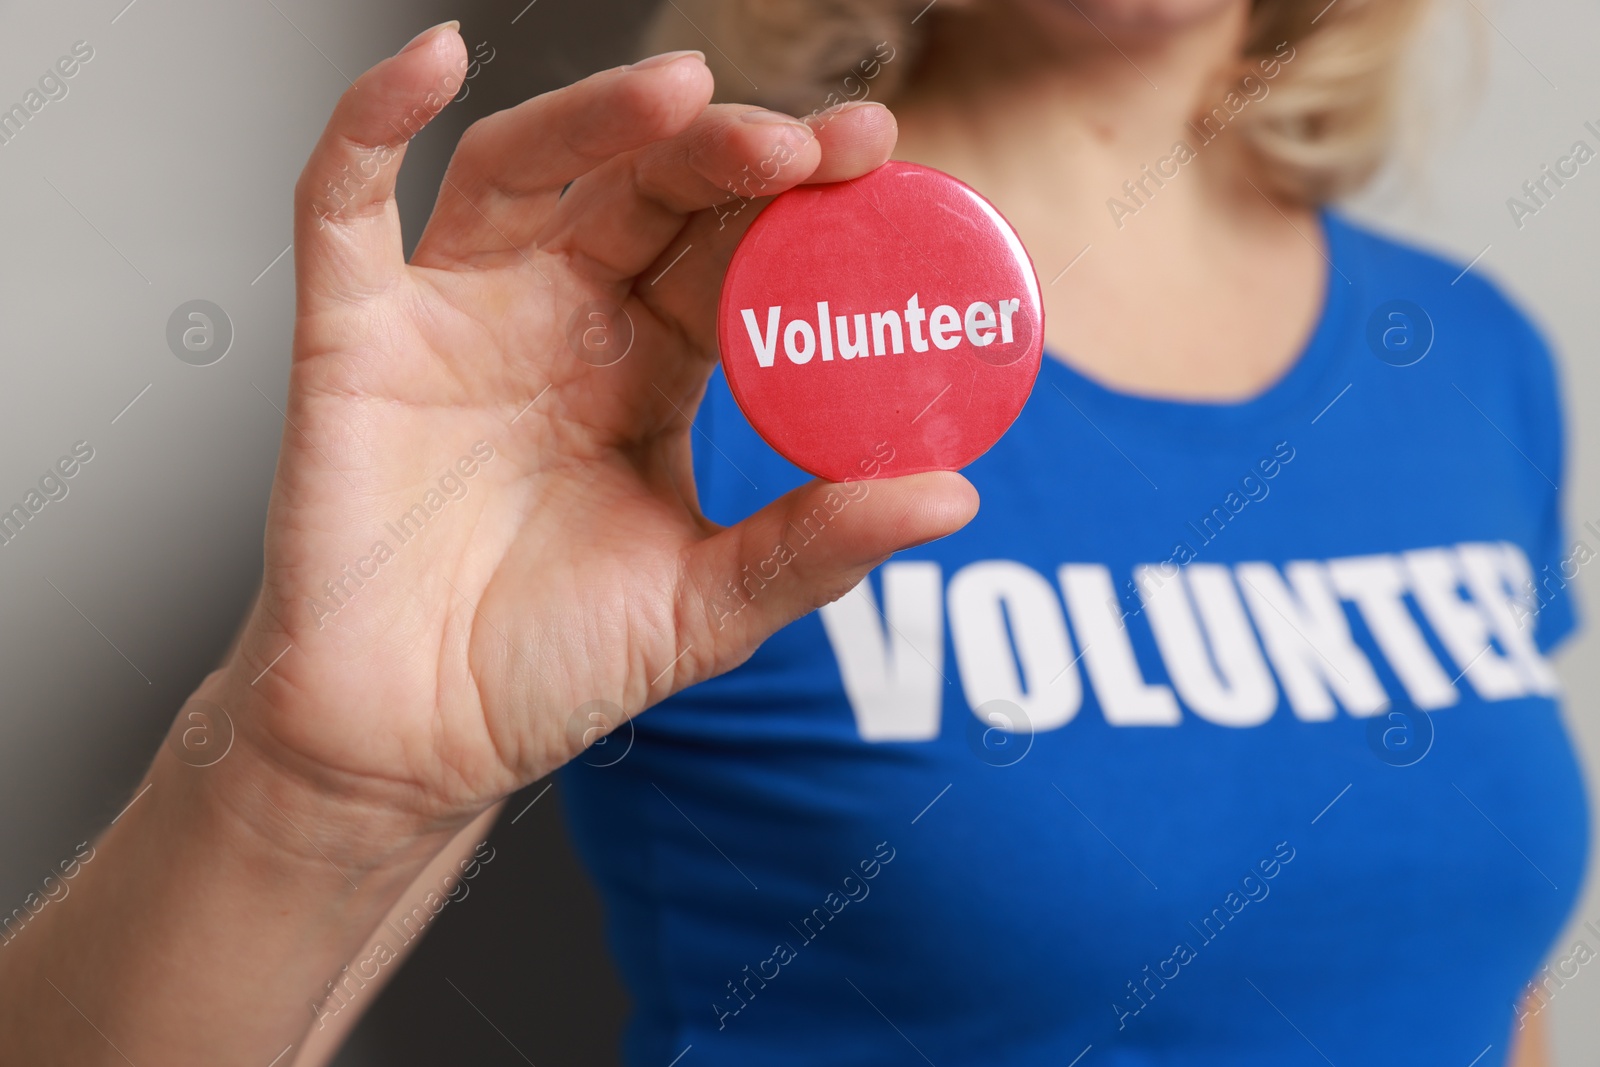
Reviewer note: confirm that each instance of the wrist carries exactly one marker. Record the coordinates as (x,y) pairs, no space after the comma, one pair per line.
(219,857)
(224,757)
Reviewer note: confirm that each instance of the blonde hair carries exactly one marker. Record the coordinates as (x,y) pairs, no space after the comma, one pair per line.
(1321,132)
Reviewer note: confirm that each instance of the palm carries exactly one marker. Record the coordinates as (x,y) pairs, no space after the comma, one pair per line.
(575,565)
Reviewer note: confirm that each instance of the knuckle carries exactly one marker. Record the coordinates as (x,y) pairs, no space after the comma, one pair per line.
(475,149)
(636,106)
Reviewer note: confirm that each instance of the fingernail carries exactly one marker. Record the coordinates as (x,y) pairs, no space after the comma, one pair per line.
(854,105)
(667,57)
(429,34)
(761,117)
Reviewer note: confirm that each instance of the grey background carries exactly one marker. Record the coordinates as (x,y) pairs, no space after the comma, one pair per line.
(165,176)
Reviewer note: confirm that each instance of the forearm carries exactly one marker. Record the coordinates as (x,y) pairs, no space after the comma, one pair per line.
(213,915)
(388,945)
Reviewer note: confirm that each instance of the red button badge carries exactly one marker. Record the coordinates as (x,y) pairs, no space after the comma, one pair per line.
(895,315)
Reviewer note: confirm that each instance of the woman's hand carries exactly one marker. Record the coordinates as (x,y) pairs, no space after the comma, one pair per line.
(475,528)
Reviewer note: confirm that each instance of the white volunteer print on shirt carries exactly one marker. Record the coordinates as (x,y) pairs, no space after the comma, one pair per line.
(1239,642)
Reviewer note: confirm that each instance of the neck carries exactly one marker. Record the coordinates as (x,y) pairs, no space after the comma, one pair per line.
(1000,99)
(1050,123)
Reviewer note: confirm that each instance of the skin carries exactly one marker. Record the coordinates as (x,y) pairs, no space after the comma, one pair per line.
(576,568)
(1049,124)
(369,758)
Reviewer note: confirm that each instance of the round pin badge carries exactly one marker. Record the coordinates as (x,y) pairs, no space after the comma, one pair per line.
(887,325)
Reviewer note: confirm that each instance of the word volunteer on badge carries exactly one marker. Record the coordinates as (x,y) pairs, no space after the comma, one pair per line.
(945,328)
(898,309)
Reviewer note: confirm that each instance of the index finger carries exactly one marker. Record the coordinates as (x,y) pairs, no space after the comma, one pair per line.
(508,171)
(854,140)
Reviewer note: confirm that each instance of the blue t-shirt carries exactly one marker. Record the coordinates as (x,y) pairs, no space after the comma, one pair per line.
(1222,737)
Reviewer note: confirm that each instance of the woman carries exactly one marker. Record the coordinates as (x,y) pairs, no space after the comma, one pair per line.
(1138,767)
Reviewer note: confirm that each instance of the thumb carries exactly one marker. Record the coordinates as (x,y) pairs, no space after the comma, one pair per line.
(806,549)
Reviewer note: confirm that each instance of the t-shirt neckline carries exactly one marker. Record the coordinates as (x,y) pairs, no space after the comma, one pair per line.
(1300,387)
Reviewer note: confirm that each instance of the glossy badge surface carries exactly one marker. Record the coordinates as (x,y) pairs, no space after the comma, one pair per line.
(882,326)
